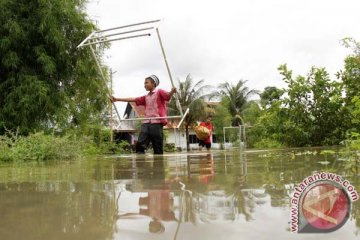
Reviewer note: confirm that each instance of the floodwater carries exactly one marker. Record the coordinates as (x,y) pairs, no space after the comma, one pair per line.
(208,195)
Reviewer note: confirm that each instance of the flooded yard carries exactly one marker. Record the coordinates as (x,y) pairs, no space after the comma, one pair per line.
(201,195)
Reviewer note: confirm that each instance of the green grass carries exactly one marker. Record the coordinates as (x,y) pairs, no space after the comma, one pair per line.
(45,147)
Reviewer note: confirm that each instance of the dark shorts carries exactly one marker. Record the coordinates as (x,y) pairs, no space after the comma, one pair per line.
(204,144)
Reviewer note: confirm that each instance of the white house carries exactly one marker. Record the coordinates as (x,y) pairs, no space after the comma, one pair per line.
(129,130)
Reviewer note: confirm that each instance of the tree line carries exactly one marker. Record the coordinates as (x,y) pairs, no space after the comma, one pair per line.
(313,110)
(46,83)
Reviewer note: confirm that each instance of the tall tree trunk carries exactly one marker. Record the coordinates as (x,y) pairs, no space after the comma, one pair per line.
(187,137)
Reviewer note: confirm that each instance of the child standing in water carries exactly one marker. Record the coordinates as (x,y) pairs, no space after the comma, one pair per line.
(206,142)
(155,106)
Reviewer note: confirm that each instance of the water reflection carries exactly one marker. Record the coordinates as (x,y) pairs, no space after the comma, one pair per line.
(61,210)
(156,200)
(176,196)
(196,188)
(211,203)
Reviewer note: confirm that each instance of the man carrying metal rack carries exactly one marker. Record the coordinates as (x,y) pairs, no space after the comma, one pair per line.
(154,102)
(155,114)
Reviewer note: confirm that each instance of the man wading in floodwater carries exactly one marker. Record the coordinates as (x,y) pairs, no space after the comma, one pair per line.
(155,106)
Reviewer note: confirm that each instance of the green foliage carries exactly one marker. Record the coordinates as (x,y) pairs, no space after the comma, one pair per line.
(353,44)
(270,95)
(233,136)
(268,126)
(169,147)
(268,143)
(311,113)
(100,139)
(236,97)
(351,153)
(191,95)
(45,81)
(314,108)
(222,118)
(252,113)
(44,147)
(350,77)
(39,147)
(353,141)
(355,111)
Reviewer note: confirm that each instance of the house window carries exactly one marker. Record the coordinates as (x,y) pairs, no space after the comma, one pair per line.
(214,138)
(193,138)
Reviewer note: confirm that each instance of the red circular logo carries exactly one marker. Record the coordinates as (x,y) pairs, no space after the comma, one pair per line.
(325,206)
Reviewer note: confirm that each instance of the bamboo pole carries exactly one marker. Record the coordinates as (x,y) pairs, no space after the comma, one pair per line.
(120,33)
(116,39)
(125,26)
(170,76)
(104,79)
(150,118)
(87,38)
(185,114)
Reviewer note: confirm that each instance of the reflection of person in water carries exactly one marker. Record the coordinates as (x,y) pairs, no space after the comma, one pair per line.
(157,205)
(202,166)
(207,169)
(159,200)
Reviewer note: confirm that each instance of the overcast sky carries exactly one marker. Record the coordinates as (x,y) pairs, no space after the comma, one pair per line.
(227,40)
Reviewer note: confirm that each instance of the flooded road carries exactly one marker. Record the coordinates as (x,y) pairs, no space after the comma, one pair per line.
(207,195)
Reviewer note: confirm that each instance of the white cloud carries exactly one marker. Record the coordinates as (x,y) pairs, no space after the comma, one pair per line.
(227,40)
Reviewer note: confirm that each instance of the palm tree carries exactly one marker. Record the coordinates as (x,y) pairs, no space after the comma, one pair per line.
(236,97)
(191,95)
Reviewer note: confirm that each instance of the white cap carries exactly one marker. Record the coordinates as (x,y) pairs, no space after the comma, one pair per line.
(155,79)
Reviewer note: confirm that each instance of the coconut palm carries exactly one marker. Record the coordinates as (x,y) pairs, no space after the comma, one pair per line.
(236,96)
(191,95)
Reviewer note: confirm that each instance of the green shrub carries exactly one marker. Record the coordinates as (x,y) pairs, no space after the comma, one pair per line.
(62,146)
(107,147)
(39,147)
(169,147)
(351,152)
(267,143)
